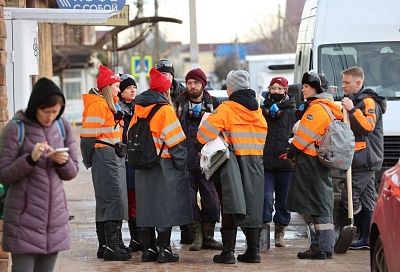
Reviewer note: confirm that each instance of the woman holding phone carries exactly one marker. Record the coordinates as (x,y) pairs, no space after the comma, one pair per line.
(36,214)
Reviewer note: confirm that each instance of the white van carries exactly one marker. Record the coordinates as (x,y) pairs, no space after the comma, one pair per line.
(337,34)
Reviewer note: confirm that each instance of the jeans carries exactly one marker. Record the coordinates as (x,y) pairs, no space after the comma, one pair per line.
(278,182)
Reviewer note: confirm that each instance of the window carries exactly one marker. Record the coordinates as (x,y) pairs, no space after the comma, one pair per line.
(72,84)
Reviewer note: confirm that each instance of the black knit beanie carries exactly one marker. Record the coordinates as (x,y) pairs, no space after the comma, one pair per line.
(43,88)
(127,80)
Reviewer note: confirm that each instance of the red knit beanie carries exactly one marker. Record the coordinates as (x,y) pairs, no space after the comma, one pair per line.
(280,80)
(197,74)
(158,81)
(106,77)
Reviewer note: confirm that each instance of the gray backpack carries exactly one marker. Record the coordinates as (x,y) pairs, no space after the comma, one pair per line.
(337,145)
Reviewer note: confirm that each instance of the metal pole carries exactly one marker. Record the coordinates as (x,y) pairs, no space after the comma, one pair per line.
(194,46)
(157,33)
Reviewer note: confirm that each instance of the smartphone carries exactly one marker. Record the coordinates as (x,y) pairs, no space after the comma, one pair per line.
(61,149)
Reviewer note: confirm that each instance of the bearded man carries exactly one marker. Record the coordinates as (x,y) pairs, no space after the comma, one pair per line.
(190,106)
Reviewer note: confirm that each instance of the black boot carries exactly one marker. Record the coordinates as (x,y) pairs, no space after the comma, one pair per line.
(113,252)
(197,234)
(150,251)
(101,237)
(365,222)
(227,255)
(252,253)
(208,236)
(136,243)
(186,235)
(165,254)
(313,254)
(121,241)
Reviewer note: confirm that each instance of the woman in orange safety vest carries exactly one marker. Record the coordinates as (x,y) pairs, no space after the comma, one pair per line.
(100,132)
(162,192)
(311,190)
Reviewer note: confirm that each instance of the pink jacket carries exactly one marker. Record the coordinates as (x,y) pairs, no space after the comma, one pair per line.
(36,213)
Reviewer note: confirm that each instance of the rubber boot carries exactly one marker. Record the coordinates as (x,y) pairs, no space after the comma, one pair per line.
(265,237)
(227,255)
(165,254)
(252,253)
(197,234)
(113,252)
(150,251)
(279,235)
(136,243)
(363,241)
(101,237)
(208,236)
(186,235)
(121,241)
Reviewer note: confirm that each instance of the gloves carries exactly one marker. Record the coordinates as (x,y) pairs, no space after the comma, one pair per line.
(273,110)
(118,116)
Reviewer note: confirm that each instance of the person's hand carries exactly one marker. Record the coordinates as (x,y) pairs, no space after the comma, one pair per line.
(347,103)
(38,150)
(58,157)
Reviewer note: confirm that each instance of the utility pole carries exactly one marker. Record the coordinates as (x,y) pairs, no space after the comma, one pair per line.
(142,74)
(157,34)
(194,46)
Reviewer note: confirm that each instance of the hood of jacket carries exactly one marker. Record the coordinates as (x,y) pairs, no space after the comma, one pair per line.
(150,97)
(364,93)
(246,98)
(327,99)
(91,98)
(243,112)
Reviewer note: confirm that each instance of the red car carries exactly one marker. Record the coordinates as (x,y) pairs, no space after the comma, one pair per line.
(385,227)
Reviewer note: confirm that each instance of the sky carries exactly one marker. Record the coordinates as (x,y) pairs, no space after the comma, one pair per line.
(218,21)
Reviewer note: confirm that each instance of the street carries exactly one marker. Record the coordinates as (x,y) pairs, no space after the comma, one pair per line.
(82,256)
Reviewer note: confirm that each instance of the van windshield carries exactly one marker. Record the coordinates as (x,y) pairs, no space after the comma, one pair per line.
(379,60)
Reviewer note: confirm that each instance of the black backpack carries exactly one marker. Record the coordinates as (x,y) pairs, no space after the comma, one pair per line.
(142,152)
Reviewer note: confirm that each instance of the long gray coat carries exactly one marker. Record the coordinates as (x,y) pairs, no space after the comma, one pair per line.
(109,182)
(163,193)
(36,213)
(311,188)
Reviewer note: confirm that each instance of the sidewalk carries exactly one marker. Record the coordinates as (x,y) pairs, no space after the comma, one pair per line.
(82,256)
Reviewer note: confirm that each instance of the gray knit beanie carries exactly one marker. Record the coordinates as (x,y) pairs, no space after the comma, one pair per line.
(238,80)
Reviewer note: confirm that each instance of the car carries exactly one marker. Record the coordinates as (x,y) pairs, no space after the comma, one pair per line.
(385,225)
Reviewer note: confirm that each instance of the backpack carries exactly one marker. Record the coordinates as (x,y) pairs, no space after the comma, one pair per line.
(337,145)
(21,131)
(20,138)
(142,152)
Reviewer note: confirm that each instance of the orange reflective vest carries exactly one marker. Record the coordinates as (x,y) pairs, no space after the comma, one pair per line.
(366,120)
(98,121)
(164,126)
(313,125)
(244,129)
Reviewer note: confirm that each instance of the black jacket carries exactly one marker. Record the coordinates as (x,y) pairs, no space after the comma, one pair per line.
(279,131)
(190,124)
(372,156)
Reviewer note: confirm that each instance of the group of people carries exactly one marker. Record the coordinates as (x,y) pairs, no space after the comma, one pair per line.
(273,165)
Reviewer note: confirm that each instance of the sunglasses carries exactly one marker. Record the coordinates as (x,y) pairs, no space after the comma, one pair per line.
(126,76)
(163,63)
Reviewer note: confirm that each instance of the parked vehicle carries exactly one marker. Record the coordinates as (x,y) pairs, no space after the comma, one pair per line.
(263,68)
(385,226)
(336,35)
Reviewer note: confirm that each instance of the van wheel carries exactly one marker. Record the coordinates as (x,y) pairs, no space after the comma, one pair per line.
(378,261)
